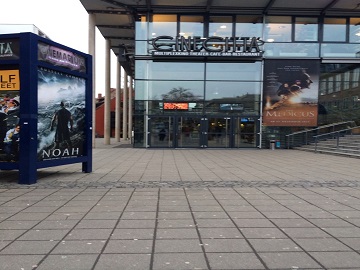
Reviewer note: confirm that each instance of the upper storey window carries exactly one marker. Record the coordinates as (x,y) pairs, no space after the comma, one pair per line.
(248,26)
(354,30)
(306,29)
(277,29)
(220,26)
(191,26)
(163,25)
(334,30)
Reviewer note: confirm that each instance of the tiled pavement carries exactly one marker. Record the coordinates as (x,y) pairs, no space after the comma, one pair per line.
(185,209)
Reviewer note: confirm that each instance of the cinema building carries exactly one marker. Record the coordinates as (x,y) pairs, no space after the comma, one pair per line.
(235,74)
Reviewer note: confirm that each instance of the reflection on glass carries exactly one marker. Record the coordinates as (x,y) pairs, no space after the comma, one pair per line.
(340,50)
(163,25)
(306,29)
(219,132)
(191,26)
(278,29)
(141,90)
(175,71)
(334,29)
(234,91)
(291,49)
(248,26)
(245,132)
(234,71)
(188,130)
(161,131)
(355,30)
(176,90)
(220,26)
(141,29)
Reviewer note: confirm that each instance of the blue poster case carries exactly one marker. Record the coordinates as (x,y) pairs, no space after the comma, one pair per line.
(45,105)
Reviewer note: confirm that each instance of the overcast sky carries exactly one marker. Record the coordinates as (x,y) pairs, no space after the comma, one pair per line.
(65,22)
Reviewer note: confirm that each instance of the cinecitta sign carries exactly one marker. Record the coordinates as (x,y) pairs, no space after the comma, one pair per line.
(9,49)
(207,47)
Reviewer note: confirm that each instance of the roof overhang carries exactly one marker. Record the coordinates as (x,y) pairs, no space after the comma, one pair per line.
(115,19)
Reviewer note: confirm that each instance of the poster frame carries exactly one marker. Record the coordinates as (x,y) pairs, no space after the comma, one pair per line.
(29,64)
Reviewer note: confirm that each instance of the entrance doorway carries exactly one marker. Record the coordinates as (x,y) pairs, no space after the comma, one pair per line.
(203,132)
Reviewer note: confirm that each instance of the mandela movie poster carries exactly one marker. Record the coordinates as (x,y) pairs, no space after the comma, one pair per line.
(61,115)
(291,93)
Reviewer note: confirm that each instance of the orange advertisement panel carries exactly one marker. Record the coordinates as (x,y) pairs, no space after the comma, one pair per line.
(9,80)
(176,106)
(291,93)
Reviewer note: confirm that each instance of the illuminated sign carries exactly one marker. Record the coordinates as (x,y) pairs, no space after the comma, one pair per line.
(9,49)
(60,57)
(9,80)
(176,106)
(210,47)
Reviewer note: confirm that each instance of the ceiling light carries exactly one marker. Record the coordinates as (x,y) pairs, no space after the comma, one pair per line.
(223,26)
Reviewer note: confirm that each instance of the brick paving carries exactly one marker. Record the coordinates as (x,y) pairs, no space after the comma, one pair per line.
(185,209)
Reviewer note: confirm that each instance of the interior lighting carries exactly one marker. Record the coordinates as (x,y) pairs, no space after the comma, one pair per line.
(223,26)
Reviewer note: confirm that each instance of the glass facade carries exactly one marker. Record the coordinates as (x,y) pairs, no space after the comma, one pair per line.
(196,95)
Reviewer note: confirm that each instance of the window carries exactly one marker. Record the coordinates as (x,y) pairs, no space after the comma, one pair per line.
(220,26)
(330,85)
(355,78)
(306,29)
(346,80)
(163,25)
(338,83)
(278,29)
(354,30)
(248,26)
(334,30)
(323,85)
(191,26)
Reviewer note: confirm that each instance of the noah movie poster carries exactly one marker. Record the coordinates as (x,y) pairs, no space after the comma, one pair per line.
(61,115)
(291,93)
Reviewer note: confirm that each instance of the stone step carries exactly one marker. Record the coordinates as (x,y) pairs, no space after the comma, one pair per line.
(349,145)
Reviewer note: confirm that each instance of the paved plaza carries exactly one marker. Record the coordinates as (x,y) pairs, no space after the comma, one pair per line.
(185,209)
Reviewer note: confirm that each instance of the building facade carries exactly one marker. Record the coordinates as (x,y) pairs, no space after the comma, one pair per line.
(238,81)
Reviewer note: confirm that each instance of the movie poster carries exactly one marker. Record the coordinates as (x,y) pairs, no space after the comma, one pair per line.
(291,92)
(61,115)
(9,115)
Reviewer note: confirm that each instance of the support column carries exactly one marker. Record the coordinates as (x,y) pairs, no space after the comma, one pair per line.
(130,107)
(107,101)
(125,107)
(91,51)
(118,102)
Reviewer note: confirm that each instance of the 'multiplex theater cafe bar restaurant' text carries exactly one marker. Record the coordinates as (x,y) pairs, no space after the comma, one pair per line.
(228,80)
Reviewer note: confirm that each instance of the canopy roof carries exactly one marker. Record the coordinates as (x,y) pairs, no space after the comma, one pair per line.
(116,19)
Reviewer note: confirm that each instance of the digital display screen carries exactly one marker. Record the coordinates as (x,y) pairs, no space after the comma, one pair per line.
(176,106)
(232,107)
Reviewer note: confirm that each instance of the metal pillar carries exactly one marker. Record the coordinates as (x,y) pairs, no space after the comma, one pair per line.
(107,101)
(118,102)
(125,107)
(91,48)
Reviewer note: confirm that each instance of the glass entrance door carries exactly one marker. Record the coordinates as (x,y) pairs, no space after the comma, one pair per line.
(202,132)
(245,134)
(161,131)
(191,132)
(219,132)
